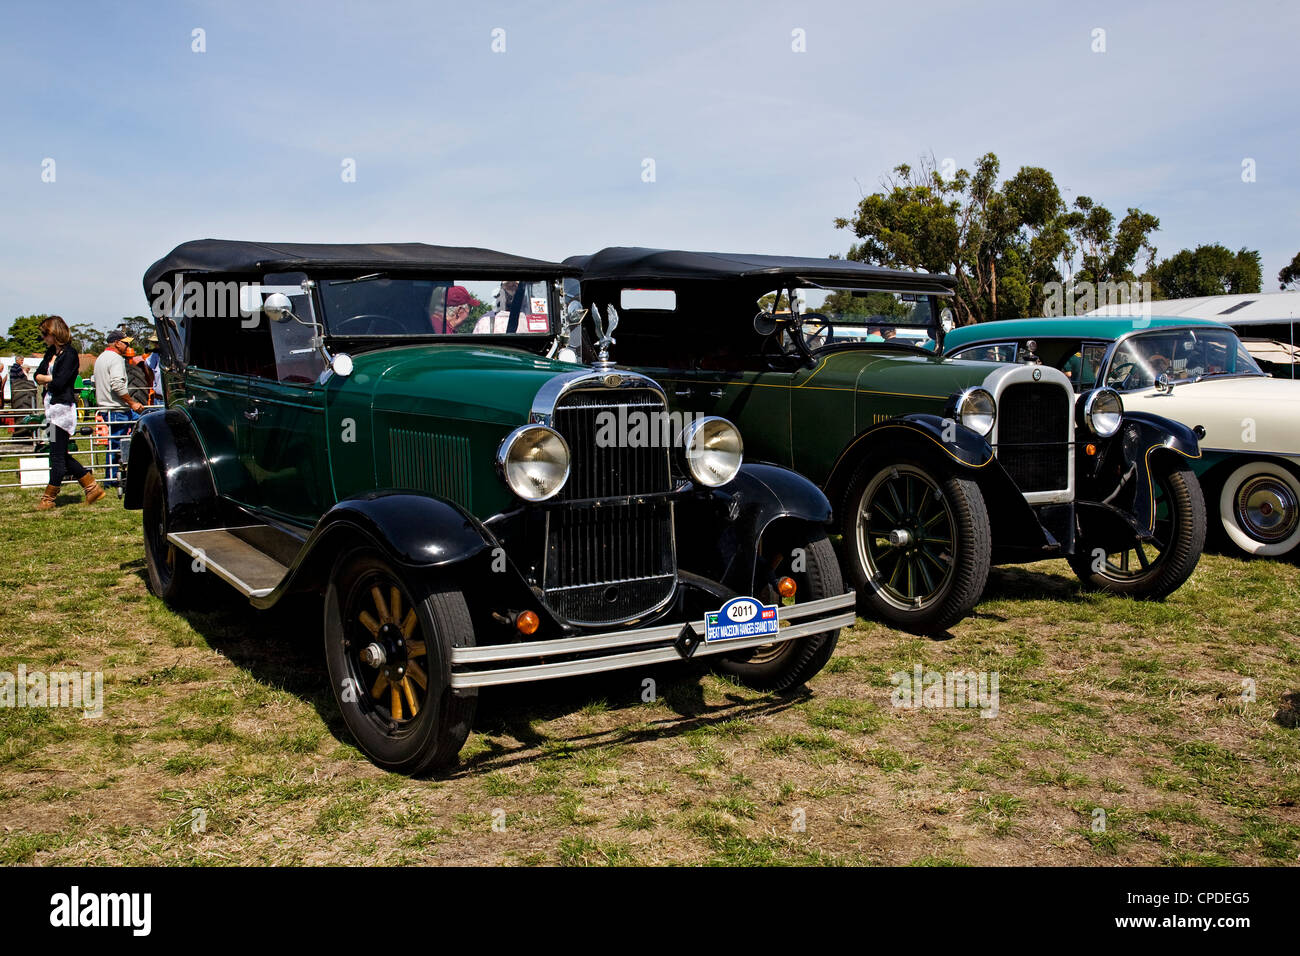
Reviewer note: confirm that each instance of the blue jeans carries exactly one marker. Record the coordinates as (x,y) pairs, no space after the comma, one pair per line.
(119,427)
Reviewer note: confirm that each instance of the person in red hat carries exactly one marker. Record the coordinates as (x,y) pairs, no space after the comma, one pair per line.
(458,303)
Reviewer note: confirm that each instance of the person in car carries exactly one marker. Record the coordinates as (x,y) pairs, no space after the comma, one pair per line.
(497,320)
(456,308)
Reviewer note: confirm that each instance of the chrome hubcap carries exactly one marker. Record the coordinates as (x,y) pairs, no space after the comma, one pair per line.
(1267,509)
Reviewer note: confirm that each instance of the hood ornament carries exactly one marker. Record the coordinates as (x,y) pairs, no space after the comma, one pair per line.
(604,336)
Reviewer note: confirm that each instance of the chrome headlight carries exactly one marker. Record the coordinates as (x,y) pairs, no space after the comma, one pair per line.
(1103,411)
(976,409)
(534,461)
(714,450)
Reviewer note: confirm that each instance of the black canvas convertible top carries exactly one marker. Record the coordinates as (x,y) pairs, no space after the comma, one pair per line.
(228,255)
(634,264)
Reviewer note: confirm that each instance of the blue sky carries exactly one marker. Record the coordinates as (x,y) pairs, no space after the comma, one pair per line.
(539,150)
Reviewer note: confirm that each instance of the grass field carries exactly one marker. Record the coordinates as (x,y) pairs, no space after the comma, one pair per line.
(220,743)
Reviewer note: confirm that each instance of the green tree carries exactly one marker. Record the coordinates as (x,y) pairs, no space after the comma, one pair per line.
(1005,244)
(139,327)
(1207,270)
(87,338)
(1108,252)
(1289,277)
(25,335)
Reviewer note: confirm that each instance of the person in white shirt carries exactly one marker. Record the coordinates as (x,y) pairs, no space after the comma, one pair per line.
(112,396)
(497,320)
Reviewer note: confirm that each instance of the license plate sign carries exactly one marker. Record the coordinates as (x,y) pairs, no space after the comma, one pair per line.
(741,617)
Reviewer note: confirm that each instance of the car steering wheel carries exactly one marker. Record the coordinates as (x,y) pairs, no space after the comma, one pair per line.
(816,329)
(1114,380)
(370,320)
(773,351)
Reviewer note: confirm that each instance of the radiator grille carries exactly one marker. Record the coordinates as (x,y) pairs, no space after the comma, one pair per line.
(437,464)
(608,561)
(594,423)
(1034,428)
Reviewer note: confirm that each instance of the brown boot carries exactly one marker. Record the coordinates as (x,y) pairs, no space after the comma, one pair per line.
(47,499)
(94,491)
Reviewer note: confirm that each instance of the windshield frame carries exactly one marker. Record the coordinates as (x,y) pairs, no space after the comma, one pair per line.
(1103,371)
(522,339)
(933,329)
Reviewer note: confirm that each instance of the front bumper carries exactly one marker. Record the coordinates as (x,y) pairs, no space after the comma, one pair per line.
(614,650)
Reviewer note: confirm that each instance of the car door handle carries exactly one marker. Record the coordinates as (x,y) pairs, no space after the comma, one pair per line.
(717,393)
(252,414)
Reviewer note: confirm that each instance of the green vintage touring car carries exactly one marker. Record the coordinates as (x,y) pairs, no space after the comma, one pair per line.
(935,467)
(390,426)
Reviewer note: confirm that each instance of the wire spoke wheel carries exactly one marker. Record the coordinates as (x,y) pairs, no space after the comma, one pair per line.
(1143,558)
(904,540)
(1151,568)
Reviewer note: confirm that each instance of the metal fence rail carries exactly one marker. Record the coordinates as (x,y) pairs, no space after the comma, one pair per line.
(24,430)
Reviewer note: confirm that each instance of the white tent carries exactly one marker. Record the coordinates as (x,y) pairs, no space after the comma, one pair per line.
(1259,308)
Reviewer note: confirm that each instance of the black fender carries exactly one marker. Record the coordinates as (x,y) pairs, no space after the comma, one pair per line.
(964,452)
(718,531)
(412,530)
(1116,489)
(167,438)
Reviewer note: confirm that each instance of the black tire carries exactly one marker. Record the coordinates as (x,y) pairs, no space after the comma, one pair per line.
(784,666)
(1179,539)
(936,583)
(397,724)
(170,573)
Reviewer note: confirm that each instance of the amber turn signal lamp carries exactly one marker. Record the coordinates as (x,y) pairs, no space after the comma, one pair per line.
(786,587)
(1090,449)
(527,622)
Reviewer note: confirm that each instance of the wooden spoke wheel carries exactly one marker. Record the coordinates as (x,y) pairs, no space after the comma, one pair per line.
(388,648)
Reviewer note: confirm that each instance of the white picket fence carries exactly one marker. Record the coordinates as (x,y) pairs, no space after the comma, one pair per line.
(21,466)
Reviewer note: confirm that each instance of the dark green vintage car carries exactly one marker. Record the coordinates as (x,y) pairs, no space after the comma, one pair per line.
(935,467)
(390,426)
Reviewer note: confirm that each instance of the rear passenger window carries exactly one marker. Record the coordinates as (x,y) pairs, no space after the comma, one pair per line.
(220,339)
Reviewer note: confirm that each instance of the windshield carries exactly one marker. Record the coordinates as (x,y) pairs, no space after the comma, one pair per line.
(1186,354)
(379,306)
(840,316)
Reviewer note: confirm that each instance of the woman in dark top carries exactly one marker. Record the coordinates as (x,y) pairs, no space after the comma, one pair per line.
(57,372)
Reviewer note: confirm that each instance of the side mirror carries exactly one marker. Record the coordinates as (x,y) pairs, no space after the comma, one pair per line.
(574,313)
(765,323)
(1165,383)
(342,364)
(277,307)
(946,320)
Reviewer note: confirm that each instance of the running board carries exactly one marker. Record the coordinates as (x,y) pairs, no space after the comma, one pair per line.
(227,554)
